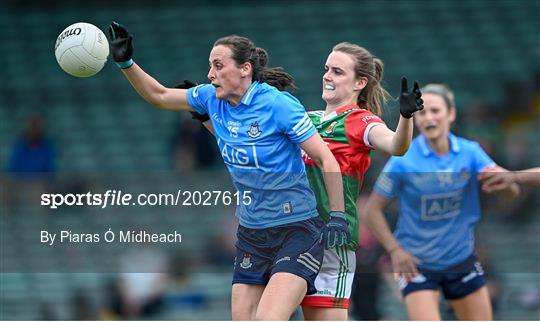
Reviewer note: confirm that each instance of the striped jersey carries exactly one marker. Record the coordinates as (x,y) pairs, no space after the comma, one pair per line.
(346,133)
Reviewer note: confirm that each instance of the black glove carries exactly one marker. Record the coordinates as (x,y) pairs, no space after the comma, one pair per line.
(336,232)
(201,117)
(186,84)
(121,46)
(410,102)
(194,115)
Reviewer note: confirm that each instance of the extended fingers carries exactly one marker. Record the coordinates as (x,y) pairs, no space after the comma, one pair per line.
(112,33)
(416,89)
(418,96)
(404,86)
(117,30)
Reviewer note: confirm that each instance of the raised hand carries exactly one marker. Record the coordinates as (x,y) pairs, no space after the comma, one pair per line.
(121,45)
(409,103)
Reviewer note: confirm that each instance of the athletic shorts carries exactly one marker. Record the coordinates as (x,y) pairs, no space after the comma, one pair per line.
(335,279)
(455,282)
(294,248)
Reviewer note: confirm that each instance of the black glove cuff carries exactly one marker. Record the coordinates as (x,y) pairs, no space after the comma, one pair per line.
(407,116)
(201,117)
(125,64)
(338,214)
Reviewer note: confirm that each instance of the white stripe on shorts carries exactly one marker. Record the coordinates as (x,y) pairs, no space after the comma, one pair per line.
(308,265)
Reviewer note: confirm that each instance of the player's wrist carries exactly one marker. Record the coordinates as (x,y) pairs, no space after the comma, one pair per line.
(393,249)
(515,177)
(125,64)
(406,114)
(338,214)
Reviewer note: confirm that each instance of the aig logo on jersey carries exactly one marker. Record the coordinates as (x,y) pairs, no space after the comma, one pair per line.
(254,130)
(442,205)
(242,156)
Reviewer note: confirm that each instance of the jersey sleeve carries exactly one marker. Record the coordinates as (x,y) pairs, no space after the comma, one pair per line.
(482,160)
(291,118)
(357,127)
(388,182)
(199,97)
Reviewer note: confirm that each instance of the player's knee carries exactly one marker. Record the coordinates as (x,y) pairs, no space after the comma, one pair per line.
(269,315)
(243,313)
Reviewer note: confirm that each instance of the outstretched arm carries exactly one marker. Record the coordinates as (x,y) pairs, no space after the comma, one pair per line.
(495,180)
(397,143)
(147,87)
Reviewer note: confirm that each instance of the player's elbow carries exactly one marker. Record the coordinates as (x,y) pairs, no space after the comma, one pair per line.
(370,208)
(374,206)
(156,96)
(329,163)
(370,212)
(156,99)
(400,150)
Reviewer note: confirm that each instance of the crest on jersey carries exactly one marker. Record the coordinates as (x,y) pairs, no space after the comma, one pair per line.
(246,262)
(464,174)
(254,130)
(331,127)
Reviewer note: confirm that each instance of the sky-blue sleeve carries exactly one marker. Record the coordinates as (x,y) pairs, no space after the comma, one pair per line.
(388,182)
(199,97)
(482,160)
(291,118)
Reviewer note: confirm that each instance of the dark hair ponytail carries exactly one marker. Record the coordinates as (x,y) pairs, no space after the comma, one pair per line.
(243,50)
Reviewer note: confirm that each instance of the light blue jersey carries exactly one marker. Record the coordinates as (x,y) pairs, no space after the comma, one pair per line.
(258,140)
(439,200)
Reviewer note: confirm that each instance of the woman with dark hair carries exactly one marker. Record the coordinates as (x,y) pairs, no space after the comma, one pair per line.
(351,127)
(260,131)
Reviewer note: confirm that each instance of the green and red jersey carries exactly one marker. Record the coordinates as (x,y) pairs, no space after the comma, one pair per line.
(346,133)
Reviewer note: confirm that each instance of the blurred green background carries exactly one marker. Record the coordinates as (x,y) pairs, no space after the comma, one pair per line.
(104,135)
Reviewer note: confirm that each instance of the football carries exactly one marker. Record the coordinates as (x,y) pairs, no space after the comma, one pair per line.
(81,49)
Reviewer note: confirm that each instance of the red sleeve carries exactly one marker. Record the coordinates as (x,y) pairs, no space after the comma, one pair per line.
(357,126)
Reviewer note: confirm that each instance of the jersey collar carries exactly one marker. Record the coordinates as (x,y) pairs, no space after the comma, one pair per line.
(426,150)
(340,110)
(248,96)
(347,108)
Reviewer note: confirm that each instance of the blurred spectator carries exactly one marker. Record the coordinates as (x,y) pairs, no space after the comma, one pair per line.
(529,297)
(221,249)
(31,162)
(193,147)
(183,293)
(139,291)
(33,152)
(47,312)
(82,307)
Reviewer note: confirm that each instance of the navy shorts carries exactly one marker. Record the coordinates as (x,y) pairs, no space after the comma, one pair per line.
(294,248)
(455,282)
